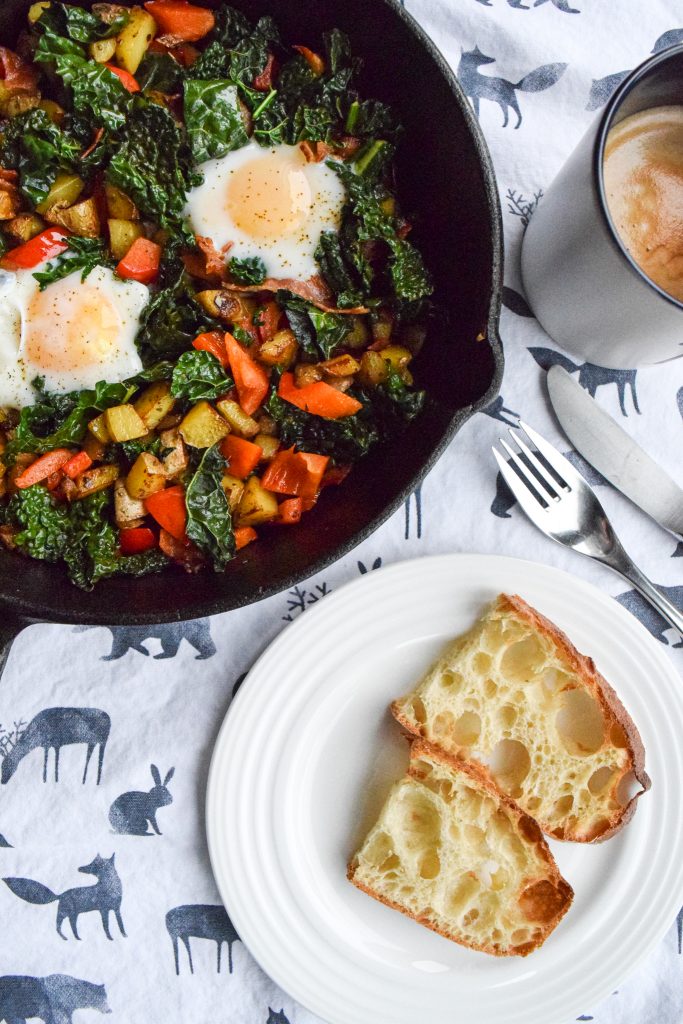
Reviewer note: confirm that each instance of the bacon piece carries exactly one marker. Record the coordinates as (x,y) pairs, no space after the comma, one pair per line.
(263,82)
(314,290)
(317,151)
(94,144)
(15,74)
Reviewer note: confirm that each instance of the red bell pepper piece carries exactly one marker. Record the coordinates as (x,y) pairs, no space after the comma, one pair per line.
(314,60)
(16,74)
(180,19)
(290,511)
(168,508)
(243,456)
(184,552)
(43,467)
(320,399)
(297,473)
(335,475)
(127,80)
(45,246)
(135,540)
(251,380)
(141,262)
(78,463)
(268,318)
(244,535)
(214,343)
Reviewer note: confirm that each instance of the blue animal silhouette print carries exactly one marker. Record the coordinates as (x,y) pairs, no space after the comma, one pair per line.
(560,5)
(602,88)
(416,499)
(649,618)
(515,302)
(679,930)
(200,921)
(678,553)
(498,411)
(679,401)
(55,728)
(499,90)
(53,999)
(169,634)
(276,1018)
(103,896)
(591,376)
(363,569)
(505,499)
(131,812)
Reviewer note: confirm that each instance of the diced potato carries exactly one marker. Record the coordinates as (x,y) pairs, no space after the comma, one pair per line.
(236,308)
(19,103)
(266,423)
(65,190)
(146,476)
(127,510)
(388,206)
(24,227)
(132,44)
(203,426)
(107,12)
(122,234)
(171,420)
(102,50)
(398,358)
(175,459)
(373,369)
(257,505)
(93,447)
(268,444)
(83,218)
(99,430)
(93,480)
(359,335)
(35,11)
(123,423)
(10,204)
(3,467)
(234,489)
(281,350)
(307,373)
(207,300)
(382,327)
(53,110)
(119,205)
(154,403)
(341,366)
(240,423)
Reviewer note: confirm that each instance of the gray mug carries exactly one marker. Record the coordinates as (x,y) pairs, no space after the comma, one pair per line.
(582,284)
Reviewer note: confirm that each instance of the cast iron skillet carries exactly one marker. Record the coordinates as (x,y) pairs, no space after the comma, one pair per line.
(447,179)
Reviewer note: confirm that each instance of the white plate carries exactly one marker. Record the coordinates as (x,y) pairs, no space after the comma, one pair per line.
(308,751)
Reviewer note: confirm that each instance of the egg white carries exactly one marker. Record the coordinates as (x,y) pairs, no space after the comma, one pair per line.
(73,334)
(267,202)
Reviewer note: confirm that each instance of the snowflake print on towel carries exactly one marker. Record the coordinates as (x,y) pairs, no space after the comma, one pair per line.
(299,599)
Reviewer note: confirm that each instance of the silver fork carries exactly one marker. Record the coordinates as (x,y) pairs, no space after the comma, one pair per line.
(561,504)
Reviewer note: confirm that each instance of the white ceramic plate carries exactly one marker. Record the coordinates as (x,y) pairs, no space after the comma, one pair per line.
(305,758)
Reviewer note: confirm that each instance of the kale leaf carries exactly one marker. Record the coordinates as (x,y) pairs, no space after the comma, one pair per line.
(250,270)
(160,72)
(39,150)
(199,375)
(213,117)
(80,25)
(83,254)
(171,321)
(209,523)
(213,62)
(317,333)
(153,163)
(339,274)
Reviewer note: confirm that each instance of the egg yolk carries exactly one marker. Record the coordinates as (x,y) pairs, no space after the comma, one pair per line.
(270,197)
(70,330)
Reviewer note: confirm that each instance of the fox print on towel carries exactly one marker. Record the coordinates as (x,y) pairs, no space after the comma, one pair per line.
(104,896)
(131,812)
(169,634)
(602,88)
(499,90)
(53,999)
(591,376)
(55,728)
(200,921)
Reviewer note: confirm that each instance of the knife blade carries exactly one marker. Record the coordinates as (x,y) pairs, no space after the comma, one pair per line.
(615,454)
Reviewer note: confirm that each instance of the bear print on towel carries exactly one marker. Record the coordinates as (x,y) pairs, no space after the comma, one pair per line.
(53,999)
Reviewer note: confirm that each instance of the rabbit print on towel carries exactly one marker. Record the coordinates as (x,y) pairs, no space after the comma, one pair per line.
(130,813)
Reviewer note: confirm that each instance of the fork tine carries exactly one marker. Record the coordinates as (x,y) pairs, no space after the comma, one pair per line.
(529,499)
(537,466)
(562,466)
(528,475)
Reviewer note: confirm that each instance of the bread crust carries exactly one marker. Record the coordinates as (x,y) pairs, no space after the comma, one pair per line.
(526,825)
(613,710)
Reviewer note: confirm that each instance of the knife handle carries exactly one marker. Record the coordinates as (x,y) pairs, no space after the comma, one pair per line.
(620,561)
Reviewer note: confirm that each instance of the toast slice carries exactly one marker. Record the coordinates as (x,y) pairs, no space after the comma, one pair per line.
(457,855)
(516,697)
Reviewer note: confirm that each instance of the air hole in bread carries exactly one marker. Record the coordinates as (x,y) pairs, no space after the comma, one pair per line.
(446,790)
(600,779)
(519,935)
(628,787)
(419,820)
(465,731)
(430,865)
(390,864)
(419,710)
(618,736)
(507,715)
(462,894)
(598,828)
(451,681)
(444,725)
(490,689)
(541,901)
(562,807)
(522,660)
(421,769)
(470,917)
(533,803)
(580,723)
(379,849)
(481,663)
(499,879)
(509,764)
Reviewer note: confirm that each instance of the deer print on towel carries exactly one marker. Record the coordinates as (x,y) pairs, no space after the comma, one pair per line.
(169,634)
(651,619)
(55,728)
(131,812)
(591,377)
(276,1018)
(500,90)
(602,88)
(104,896)
(53,999)
(201,921)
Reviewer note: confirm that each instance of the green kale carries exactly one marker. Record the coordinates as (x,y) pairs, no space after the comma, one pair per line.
(339,274)
(153,163)
(249,56)
(80,25)
(39,150)
(230,28)
(161,72)
(83,254)
(209,523)
(408,273)
(372,119)
(213,118)
(129,450)
(171,320)
(213,62)
(251,270)
(199,375)
(318,334)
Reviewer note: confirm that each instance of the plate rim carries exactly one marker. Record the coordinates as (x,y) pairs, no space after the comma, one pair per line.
(548,573)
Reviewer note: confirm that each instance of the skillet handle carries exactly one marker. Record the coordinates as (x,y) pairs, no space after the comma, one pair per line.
(10,627)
